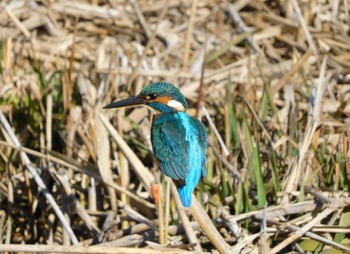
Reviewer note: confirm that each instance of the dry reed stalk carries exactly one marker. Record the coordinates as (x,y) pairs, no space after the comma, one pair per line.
(188,40)
(290,209)
(282,82)
(74,165)
(18,23)
(63,180)
(192,238)
(148,46)
(38,179)
(40,43)
(247,241)
(49,103)
(304,26)
(160,207)
(9,222)
(312,125)
(237,19)
(302,231)
(84,10)
(103,161)
(141,18)
(124,182)
(144,175)
(201,85)
(208,227)
(167,206)
(316,237)
(30,248)
(218,136)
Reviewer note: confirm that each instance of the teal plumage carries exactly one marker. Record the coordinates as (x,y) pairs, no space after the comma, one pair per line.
(179,141)
(175,142)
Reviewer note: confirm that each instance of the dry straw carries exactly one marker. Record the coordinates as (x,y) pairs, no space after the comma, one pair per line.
(271,79)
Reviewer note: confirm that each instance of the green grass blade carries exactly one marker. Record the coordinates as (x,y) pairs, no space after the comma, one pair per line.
(254,165)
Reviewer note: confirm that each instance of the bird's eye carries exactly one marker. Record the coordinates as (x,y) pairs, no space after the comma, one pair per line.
(151,96)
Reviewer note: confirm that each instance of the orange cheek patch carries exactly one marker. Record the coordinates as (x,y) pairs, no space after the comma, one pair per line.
(163,99)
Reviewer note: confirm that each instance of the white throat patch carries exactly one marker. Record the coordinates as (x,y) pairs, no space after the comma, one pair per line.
(176,105)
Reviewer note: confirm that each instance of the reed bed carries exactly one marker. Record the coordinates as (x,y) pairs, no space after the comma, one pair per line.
(270,80)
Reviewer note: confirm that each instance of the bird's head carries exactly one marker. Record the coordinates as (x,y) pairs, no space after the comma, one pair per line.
(161,96)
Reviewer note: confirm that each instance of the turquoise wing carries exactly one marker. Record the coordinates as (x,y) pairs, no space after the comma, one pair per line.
(203,141)
(170,147)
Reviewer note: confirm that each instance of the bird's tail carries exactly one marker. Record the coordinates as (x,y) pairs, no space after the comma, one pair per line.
(185,193)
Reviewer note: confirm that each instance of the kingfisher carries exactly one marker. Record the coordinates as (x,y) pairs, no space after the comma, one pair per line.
(179,141)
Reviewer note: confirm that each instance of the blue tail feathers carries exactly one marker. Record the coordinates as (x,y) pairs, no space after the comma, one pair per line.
(185,193)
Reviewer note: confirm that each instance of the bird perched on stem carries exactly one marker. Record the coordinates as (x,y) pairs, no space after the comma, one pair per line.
(179,141)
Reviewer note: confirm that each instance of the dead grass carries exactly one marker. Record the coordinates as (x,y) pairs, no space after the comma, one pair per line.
(276,87)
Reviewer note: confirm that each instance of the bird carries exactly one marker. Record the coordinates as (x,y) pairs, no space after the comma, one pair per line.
(179,141)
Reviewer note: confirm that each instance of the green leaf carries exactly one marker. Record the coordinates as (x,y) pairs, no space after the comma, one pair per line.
(254,165)
(232,118)
(309,245)
(344,222)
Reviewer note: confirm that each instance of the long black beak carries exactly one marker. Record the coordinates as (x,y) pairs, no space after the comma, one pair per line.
(132,101)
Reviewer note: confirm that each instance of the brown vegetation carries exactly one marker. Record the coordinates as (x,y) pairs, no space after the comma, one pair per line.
(274,97)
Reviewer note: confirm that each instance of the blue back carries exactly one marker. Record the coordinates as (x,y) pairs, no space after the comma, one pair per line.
(179,143)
